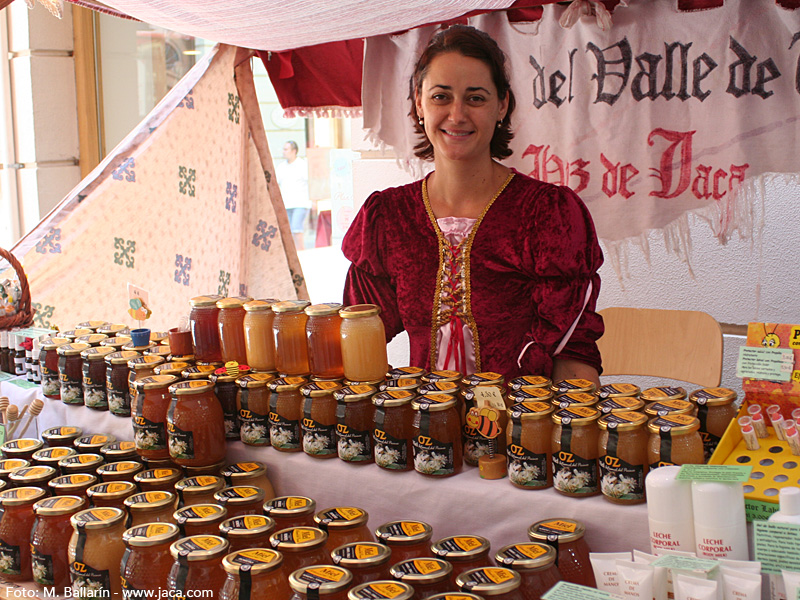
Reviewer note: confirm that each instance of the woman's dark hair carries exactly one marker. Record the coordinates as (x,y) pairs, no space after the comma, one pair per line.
(472,43)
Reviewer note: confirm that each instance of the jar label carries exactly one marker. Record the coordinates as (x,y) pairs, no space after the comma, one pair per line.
(437,387)
(96,514)
(403,382)
(119,402)
(283,433)
(670,406)
(94,440)
(433,457)
(253,427)
(94,390)
(621,480)
(523,552)
(120,467)
(238,492)
(664,392)
(459,543)
(318,439)
(353,445)
(526,468)
(343,513)
(73,479)
(623,403)
(558,527)
(400,372)
(287,503)
(322,575)
(199,543)
(42,567)
(254,557)
(565,400)
(181,442)
(418,567)
(475,445)
(200,481)
(531,407)
(23,493)
(243,467)
(31,473)
(534,381)
(297,535)
(390,452)
(148,497)
(50,382)
(10,559)
(380,590)
(148,435)
(438,375)
(713,394)
(248,522)
(54,452)
(617,389)
(490,575)
(574,474)
(402,529)
(357,552)
(60,502)
(112,488)
(149,530)
(71,390)
(199,511)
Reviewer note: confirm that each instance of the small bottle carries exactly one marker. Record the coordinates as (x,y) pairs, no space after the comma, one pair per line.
(669,511)
(36,370)
(789,512)
(720,528)
(19,356)
(4,351)
(29,360)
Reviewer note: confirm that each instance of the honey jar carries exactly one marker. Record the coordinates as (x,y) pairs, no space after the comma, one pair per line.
(200,519)
(94,377)
(674,440)
(36,476)
(567,386)
(355,418)
(160,350)
(116,342)
(197,565)
(344,524)
(406,539)
(363,343)
(93,339)
(463,552)
(320,582)
(72,485)
(158,480)
(250,531)
(289,335)
(240,500)
(48,366)
(111,495)
(93,443)
(454,596)
(9,465)
(118,391)
(445,375)
(436,433)
(61,436)
(195,425)
(118,329)
(323,334)
(572,551)
(670,407)
(575,399)
(124,470)
(141,367)
(622,460)
(405,373)
(366,561)
(318,425)
(497,583)
(528,441)
(300,547)
(529,382)
(620,404)
(574,446)
(49,538)
(396,590)
(285,412)
(70,372)
(227,392)
(536,565)
(80,463)
(119,450)
(146,562)
(150,407)
(426,576)
(659,394)
(618,390)
(291,511)
(393,432)
(199,372)
(531,394)
(49,457)
(253,408)
(95,550)
(253,474)
(93,326)
(151,507)
(259,343)
(255,573)
(716,408)
(404,384)
(205,329)
(198,490)
(73,334)
(231,329)
(15,531)
(175,368)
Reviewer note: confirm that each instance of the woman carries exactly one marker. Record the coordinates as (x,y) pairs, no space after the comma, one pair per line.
(486,268)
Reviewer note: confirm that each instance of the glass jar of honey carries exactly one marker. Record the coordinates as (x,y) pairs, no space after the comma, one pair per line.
(158,480)
(231,329)
(318,426)
(454,596)
(240,500)
(300,547)
(22,448)
(323,333)
(118,391)
(146,562)
(119,450)
(622,457)
(670,407)
(568,386)
(9,465)
(141,367)
(405,384)
(463,552)
(355,422)
(289,335)
(116,342)
(140,349)
(93,339)
(111,495)
(73,334)
(48,366)
(396,590)
(93,443)
(70,372)
(436,434)
(528,442)
(175,368)
(205,330)
(451,388)
(344,525)
(124,470)
(256,573)
(392,435)
(200,519)
(406,539)
(214,469)
(198,372)
(620,404)
(61,436)
(150,407)
(151,507)
(575,399)
(291,511)
(72,485)
(716,408)
(366,561)
(536,565)
(198,490)
(363,343)
(618,390)
(427,576)
(93,326)
(285,412)
(259,342)
(661,393)
(227,392)
(250,531)
(320,582)
(111,329)
(162,351)
(95,551)
(572,551)
(497,583)
(49,457)
(529,382)
(15,531)
(253,408)
(406,373)
(80,463)
(253,474)
(49,538)
(574,446)
(197,565)
(195,425)
(35,476)
(445,375)
(674,440)
(94,377)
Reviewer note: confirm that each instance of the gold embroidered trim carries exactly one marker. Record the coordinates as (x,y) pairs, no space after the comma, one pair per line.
(440,275)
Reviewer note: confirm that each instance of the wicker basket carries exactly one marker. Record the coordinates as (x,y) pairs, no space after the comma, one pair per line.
(24,314)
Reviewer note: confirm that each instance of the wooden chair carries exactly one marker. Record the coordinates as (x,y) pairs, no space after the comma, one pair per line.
(674,344)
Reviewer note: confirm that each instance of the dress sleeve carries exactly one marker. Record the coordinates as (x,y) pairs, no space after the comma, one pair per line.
(565,256)
(368,281)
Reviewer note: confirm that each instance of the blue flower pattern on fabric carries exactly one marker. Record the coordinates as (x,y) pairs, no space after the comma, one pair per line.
(264,235)
(224,281)
(125,171)
(184,265)
(231,193)
(49,243)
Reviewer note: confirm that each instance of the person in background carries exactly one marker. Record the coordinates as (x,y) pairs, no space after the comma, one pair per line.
(293,181)
(486,268)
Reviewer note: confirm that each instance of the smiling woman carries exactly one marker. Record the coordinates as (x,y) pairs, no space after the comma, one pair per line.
(486,268)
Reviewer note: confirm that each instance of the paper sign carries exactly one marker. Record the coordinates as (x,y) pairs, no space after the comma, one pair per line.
(771,364)
(34,332)
(777,546)
(489,395)
(23,383)
(6,376)
(757,510)
(721,473)
(686,563)
(572,591)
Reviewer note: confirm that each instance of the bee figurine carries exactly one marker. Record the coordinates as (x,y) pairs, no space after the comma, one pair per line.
(485,422)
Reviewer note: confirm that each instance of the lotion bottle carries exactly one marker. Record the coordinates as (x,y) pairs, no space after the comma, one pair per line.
(720,526)
(789,512)
(669,511)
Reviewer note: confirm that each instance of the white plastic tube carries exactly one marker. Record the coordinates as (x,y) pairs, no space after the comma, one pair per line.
(659,574)
(635,580)
(739,585)
(605,570)
(791,580)
(692,588)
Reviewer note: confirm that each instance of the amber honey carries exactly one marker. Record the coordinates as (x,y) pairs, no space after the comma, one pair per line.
(323,332)
(289,333)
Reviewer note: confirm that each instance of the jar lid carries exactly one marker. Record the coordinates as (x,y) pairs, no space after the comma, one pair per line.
(717,396)
(290,306)
(199,547)
(575,399)
(404,372)
(77,480)
(154,382)
(489,581)
(21,446)
(254,380)
(58,505)
(529,381)
(396,590)
(205,301)
(485,378)
(51,343)
(424,571)
(360,310)
(172,368)
(9,465)
(574,385)
(354,393)
(655,394)
(32,475)
(298,539)
(527,394)
(675,424)
(289,506)
(116,342)
(255,560)
(361,554)
(404,532)
(198,514)
(73,349)
(93,325)
(96,441)
(239,494)
(162,350)
(97,353)
(530,410)
(442,376)
(151,534)
(674,406)
(617,390)
(168,475)
(434,402)
(622,421)
(526,557)
(323,310)
(53,454)
(326,579)
(286,384)
(117,329)
(403,383)
(576,415)
(97,518)
(146,361)
(21,495)
(119,450)
(260,305)
(620,404)
(121,357)
(231,302)
(200,484)
(454,596)
(71,334)
(114,490)
(87,459)
(188,388)
(244,470)
(341,517)
(198,372)
(319,389)
(146,346)
(391,398)
(461,547)
(93,339)
(229,374)
(147,501)
(561,530)
(438,387)
(246,526)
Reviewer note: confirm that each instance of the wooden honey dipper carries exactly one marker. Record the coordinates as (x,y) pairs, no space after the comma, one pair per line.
(35,410)
(4,403)
(12,414)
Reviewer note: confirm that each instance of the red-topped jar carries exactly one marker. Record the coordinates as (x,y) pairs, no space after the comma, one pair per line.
(427,576)
(300,546)
(231,329)
(147,562)
(367,561)
(323,333)
(205,329)
(200,519)
(393,432)
(536,565)
(437,436)
(197,565)
(48,366)
(50,536)
(344,524)
(355,422)
(463,552)
(195,425)
(406,539)
(285,413)
(566,536)
(320,582)
(291,511)
(70,372)
(152,401)
(255,573)
(15,531)
(318,425)
(249,531)
(289,334)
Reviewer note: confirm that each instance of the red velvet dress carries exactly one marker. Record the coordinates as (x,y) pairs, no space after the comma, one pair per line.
(530,262)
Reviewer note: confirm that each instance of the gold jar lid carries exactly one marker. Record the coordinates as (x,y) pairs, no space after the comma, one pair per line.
(489,581)
(115,490)
(198,372)
(71,334)
(454,596)
(119,450)
(151,534)
(323,310)
(21,446)
(97,353)
(161,350)
(93,325)
(260,305)
(165,476)
(422,571)
(154,382)
(148,501)
(405,372)
(526,557)
(663,407)
(620,404)
(618,390)
(361,554)
(202,484)
(442,376)
(485,378)
(403,383)
(439,387)
(391,398)
(76,481)
(657,394)
(326,579)
(51,343)
(93,339)
(61,434)
(574,385)
(139,349)
(243,470)
(287,384)
(529,381)
(434,402)
(21,496)
(121,357)
(205,301)
(575,399)
(189,388)
(622,421)
(320,389)
(146,361)
(230,303)
(123,467)
(228,374)
(461,547)
(58,505)
(246,526)
(73,349)
(716,396)
(171,368)
(257,561)
(675,424)
(31,476)
(360,310)
(116,342)
(290,306)
(354,393)
(51,456)
(374,382)
(530,395)
(9,465)
(254,380)
(199,547)
(117,329)
(289,506)
(397,590)
(298,539)
(561,530)
(577,415)
(530,410)
(87,460)
(341,517)
(404,532)
(201,514)
(97,518)
(184,358)
(239,494)
(93,442)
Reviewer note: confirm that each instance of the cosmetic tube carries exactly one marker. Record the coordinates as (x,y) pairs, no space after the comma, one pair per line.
(796,414)
(720,527)
(669,511)
(605,570)
(659,574)
(791,581)
(749,433)
(792,436)
(692,588)
(740,585)
(636,580)
(759,425)
(776,418)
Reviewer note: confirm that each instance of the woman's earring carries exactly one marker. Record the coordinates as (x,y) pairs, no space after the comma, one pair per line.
(421,122)
(499,124)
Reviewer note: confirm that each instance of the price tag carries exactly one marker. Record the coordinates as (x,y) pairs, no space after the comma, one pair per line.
(777,546)
(770,364)
(686,563)
(572,591)
(720,473)
(489,395)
